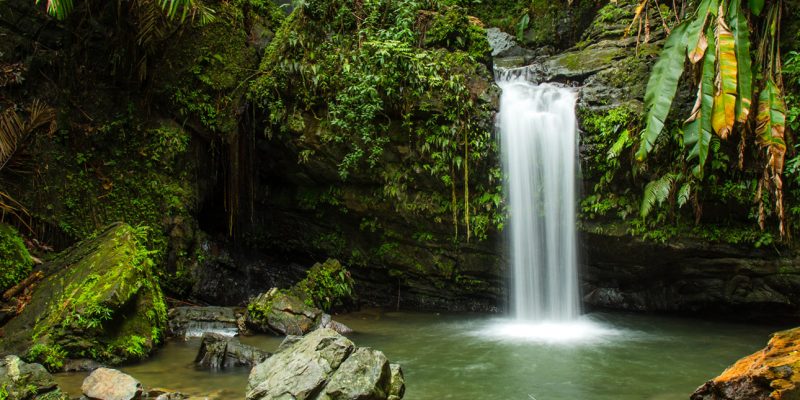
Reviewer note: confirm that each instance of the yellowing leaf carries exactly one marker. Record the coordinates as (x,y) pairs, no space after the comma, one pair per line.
(724,114)
(700,50)
(741,33)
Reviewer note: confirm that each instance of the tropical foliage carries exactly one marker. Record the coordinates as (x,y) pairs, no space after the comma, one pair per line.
(715,43)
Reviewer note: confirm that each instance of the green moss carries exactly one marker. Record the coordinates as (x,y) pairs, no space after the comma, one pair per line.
(366,78)
(104,303)
(15,261)
(122,171)
(208,68)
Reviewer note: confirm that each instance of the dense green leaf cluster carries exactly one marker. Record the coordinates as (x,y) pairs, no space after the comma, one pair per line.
(356,77)
(15,262)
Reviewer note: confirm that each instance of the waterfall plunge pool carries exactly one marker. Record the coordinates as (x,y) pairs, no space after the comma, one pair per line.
(467,356)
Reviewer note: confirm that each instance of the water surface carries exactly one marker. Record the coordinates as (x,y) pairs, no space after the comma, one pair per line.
(445,356)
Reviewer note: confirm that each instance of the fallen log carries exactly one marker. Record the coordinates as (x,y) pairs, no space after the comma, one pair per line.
(18,288)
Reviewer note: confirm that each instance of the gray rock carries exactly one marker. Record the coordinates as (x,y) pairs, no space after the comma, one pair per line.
(327,322)
(325,365)
(23,381)
(283,313)
(503,44)
(397,387)
(195,321)
(299,369)
(219,352)
(111,384)
(364,375)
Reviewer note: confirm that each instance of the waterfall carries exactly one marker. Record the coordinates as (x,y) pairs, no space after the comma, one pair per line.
(538,143)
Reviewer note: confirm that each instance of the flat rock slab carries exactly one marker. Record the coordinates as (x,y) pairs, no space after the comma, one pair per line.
(110,384)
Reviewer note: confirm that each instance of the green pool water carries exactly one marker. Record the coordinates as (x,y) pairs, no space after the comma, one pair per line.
(445,356)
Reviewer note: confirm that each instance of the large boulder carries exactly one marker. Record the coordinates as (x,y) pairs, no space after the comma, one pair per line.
(769,374)
(100,300)
(220,351)
(23,381)
(325,365)
(287,312)
(189,322)
(282,312)
(110,384)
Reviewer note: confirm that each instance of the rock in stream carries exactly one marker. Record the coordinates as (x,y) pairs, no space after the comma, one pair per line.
(325,365)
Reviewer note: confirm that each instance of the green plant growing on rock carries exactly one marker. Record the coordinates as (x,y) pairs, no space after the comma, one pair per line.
(327,285)
(103,302)
(15,261)
(717,39)
(346,80)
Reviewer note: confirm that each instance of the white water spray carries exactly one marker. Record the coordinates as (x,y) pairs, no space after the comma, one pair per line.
(538,142)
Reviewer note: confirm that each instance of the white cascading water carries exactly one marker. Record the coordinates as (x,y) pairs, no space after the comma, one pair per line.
(538,143)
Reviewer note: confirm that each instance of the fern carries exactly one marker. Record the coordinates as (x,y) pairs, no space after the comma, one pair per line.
(656,192)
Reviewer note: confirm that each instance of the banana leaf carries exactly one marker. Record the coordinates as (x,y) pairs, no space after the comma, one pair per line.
(741,34)
(661,88)
(698,130)
(726,84)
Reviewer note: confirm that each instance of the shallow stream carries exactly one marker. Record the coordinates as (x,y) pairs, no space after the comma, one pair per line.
(465,356)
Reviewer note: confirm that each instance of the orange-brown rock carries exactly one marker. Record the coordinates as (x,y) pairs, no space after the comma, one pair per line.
(769,374)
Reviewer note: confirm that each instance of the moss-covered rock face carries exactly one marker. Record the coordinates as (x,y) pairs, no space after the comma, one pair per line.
(100,301)
(379,149)
(209,65)
(15,261)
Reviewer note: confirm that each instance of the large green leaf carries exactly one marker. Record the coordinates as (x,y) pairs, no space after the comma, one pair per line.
(741,34)
(756,6)
(771,123)
(696,41)
(661,88)
(726,84)
(698,130)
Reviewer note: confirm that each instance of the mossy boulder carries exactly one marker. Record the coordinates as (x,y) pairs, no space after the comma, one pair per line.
(22,381)
(100,300)
(283,312)
(772,373)
(15,261)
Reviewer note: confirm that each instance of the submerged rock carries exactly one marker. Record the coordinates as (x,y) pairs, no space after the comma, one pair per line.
(23,381)
(769,374)
(110,384)
(325,365)
(196,321)
(100,299)
(219,352)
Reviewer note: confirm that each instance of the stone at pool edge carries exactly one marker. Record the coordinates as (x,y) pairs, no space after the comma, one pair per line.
(111,384)
(324,365)
(772,373)
(288,314)
(220,352)
(18,377)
